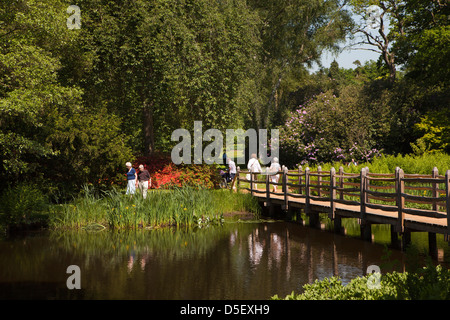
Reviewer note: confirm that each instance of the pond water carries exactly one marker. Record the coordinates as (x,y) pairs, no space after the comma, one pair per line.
(238,260)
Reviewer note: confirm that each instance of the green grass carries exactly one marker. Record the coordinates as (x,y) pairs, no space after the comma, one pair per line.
(180,207)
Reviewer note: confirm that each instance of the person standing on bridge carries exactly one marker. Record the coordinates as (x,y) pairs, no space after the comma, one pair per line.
(353,162)
(254,166)
(274,169)
(231,169)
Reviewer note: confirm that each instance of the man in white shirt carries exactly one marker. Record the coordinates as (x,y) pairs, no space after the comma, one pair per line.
(231,169)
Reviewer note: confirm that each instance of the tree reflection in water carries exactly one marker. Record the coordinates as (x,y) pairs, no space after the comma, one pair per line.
(239,260)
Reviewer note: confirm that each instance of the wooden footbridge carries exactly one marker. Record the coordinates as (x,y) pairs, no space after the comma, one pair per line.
(406,202)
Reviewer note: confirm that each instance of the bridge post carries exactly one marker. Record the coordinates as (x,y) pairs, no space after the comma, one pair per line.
(394,237)
(319,181)
(307,199)
(397,170)
(432,245)
(341,182)
(299,179)
(285,188)
(365,227)
(238,174)
(251,183)
(400,200)
(362,195)
(447,197)
(434,174)
(268,201)
(332,190)
(366,187)
(313,218)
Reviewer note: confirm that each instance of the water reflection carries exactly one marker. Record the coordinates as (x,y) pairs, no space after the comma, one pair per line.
(236,261)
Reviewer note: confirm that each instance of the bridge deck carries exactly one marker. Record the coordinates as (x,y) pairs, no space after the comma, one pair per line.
(374,216)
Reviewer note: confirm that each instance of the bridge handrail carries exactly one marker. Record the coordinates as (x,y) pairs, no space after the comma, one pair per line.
(331,186)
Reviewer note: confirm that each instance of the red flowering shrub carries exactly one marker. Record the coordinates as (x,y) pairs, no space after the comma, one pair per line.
(165,174)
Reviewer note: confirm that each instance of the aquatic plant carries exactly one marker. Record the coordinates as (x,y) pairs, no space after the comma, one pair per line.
(176,207)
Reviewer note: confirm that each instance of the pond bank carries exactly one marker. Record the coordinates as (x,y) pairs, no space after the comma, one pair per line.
(113,210)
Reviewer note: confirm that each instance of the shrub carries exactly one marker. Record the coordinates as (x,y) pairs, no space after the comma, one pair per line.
(23,203)
(332,128)
(166,175)
(430,282)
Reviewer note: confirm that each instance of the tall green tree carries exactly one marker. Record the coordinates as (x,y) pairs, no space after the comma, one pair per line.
(160,65)
(38,107)
(294,34)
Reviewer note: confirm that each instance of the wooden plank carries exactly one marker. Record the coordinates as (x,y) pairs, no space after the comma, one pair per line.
(424,213)
(423,180)
(319,198)
(383,199)
(352,194)
(276,193)
(381,187)
(348,202)
(259,191)
(381,194)
(382,174)
(422,199)
(294,195)
(348,189)
(296,174)
(353,184)
(381,179)
(320,175)
(421,188)
(382,207)
(315,186)
(295,185)
(417,175)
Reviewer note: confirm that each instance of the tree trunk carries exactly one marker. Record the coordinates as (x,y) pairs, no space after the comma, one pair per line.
(149,137)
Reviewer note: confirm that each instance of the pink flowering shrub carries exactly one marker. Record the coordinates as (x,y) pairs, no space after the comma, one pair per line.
(329,128)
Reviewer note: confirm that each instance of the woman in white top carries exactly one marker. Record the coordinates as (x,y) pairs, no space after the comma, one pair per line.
(274,168)
(254,166)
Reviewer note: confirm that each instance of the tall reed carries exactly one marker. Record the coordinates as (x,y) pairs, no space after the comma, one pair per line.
(181,207)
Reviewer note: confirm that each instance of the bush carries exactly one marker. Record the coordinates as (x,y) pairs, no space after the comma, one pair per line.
(332,128)
(23,204)
(427,283)
(166,175)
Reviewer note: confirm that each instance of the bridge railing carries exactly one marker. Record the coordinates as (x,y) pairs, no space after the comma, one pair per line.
(426,195)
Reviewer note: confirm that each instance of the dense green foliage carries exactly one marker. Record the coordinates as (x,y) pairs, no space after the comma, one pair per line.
(428,283)
(23,204)
(75,104)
